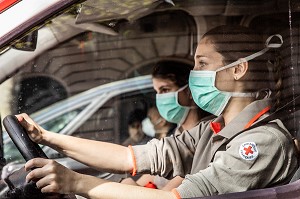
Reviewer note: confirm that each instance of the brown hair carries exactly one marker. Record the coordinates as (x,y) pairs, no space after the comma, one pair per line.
(175,71)
(236,42)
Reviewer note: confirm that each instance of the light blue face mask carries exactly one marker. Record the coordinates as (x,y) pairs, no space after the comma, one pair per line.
(169,108)
(204,91)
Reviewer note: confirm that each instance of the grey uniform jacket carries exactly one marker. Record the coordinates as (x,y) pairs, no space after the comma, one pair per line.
(257,158)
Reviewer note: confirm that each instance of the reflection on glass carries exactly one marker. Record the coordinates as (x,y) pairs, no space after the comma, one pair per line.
(12,154)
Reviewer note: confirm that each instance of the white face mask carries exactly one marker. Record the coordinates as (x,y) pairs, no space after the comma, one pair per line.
(148,127)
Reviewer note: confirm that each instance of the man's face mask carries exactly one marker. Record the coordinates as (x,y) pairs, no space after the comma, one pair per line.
(169,108)
(205,93)
(148,127)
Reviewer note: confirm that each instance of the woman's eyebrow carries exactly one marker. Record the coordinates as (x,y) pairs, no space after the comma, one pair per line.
(162,87)
(199,56)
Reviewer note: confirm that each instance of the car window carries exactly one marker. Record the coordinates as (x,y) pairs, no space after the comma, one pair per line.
(57,124)
(109,123)
(11,153)
(105,124)
(55,55)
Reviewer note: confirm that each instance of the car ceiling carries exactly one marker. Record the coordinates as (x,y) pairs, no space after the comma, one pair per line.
(109,12)
(104,10)
(102,15)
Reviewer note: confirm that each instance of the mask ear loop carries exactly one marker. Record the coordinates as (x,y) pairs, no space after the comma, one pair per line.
(259,53)
(177,100)
(250,57)
(177,92)
(187,108)
(182,88)
(266,93)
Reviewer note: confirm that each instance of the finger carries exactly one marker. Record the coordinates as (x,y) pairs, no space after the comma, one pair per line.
(34,130)
(36,162)
(51,188)
(35,174)
(22,120)
(25,121)
(48,180)
(21,116)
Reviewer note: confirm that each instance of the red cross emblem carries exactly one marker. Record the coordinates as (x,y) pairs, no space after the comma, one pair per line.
(248,151)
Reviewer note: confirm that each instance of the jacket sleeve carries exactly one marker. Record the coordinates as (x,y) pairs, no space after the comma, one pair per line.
(258,158)
(170,156)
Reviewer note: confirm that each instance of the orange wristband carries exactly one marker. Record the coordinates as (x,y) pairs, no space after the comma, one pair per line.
(176,193)
(133,173)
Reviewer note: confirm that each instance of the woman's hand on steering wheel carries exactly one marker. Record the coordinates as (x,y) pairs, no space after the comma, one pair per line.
(34,131)
(50,176)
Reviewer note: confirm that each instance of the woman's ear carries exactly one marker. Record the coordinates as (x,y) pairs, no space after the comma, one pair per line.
(240,70)
(188,93)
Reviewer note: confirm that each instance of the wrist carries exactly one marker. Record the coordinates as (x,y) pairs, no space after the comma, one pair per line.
(83,185)
(78,185)
(45,137)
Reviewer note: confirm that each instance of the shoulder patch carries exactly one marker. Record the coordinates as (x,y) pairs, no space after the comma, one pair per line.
(248,151)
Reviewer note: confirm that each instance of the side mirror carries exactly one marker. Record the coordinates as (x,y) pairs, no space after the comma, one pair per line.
(27,43)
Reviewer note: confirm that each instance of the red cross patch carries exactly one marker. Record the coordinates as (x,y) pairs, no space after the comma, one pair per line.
(248,151)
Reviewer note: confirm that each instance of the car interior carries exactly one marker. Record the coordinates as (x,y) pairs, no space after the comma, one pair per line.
(75,45)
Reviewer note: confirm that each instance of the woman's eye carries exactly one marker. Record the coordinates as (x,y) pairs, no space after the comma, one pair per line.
(165,90)
(202,64)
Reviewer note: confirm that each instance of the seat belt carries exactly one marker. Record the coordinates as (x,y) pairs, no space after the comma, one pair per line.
(278,114)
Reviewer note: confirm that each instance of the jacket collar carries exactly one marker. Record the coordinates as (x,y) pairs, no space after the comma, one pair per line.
(242,119)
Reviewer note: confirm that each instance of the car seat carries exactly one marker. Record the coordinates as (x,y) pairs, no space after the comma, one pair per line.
(289,114)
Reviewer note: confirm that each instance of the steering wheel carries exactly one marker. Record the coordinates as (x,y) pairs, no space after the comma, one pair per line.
(19,136)
(29,150)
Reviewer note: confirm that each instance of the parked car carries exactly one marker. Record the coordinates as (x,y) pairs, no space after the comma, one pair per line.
(54,50)
(93,114)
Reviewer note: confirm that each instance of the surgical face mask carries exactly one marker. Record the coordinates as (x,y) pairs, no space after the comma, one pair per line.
(148,127)
(169,108)
(206,95)
(204,91)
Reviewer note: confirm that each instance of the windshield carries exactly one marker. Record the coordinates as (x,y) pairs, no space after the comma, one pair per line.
(91,69)
(11,153)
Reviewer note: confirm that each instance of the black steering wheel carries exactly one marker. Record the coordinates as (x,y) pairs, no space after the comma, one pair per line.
(29,150)
(19,136)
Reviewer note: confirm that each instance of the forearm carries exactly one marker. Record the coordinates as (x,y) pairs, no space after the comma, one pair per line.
(174,183)
(95,188)
(99,155)
(167,157)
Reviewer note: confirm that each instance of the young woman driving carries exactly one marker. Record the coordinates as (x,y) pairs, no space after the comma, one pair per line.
(229,81)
